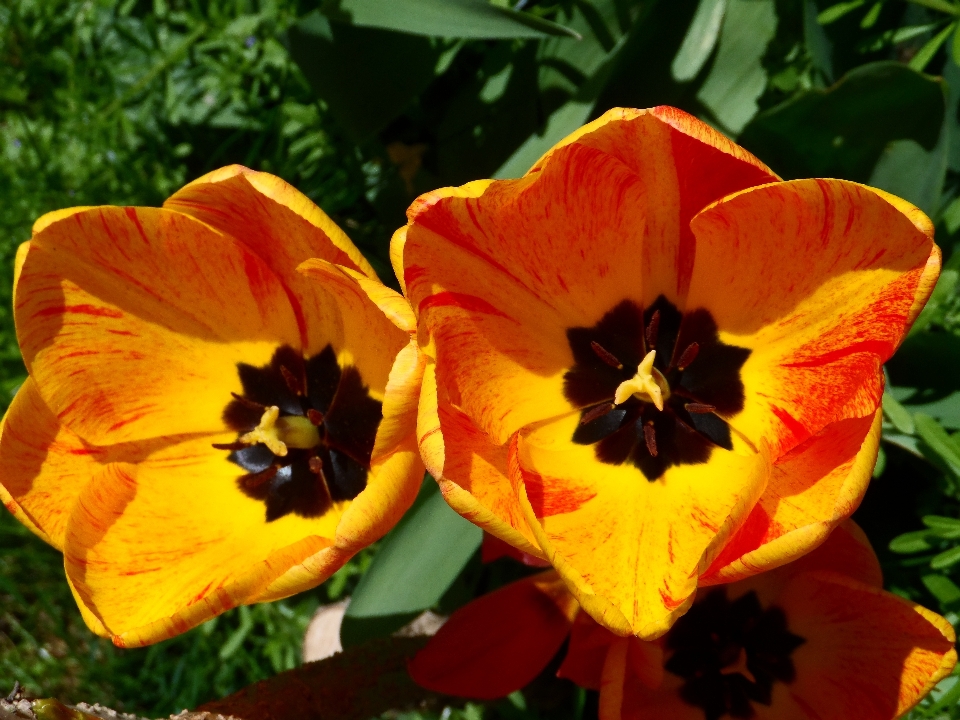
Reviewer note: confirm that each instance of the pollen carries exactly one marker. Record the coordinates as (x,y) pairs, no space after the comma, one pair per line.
(648,384)
(279,433)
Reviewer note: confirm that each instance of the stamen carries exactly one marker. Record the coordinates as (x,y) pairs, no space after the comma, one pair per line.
(648,384)
(293,382)
(608,357)
(255,480)
(316,465)
(598,412)
(229,446)
(650,436)
(652,328)
(688,356)
(248,402)
(700,408)
(315,416)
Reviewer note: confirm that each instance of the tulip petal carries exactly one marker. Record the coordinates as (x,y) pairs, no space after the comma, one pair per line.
(132,322)
(470,469)
(498,272)
(812,489)
(155,548)
(370,341)
(868,654)
(630,549)
(283,228)
(821,308)
(45,465)
(586,652)
(498,643)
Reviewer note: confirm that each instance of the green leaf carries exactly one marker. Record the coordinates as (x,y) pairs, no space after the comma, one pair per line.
(937,439)
(870,19)
(737,78)
(926,53)
(842,130)
(942,588)
(955,48)
(941,5)
(900,417)
(416,563)
(365,76)
(700,40)
(944,528)
(942,295)
(818,44)
(475,19)
(835,12)
(946,559)
(881,463)
(911,542)
(907,170)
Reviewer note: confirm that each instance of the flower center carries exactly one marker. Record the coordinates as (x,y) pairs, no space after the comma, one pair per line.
(306,429)
(730,653)
(653,386)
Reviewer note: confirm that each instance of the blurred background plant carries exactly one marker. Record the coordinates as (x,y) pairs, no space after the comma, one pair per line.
(362,105)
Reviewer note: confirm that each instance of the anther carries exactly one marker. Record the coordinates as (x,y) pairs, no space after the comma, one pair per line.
(248,402)
(652,328)
(255,480)
(608,357)
(316,465)
(598,412)
(700,408)
(293,382)
(650,437)
(315,416)
(688,356)
(229,446)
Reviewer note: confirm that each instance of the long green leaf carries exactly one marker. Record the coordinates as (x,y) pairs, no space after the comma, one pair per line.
(475,19)
(941,5)
(737,77)
(414,566)
(699,41)
(939,441)
(898,415)
(926,53)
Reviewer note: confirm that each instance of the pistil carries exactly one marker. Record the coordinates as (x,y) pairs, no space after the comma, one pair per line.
(648,384)
(280,433)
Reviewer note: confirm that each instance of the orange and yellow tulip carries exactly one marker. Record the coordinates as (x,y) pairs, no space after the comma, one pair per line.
(653,363)
(213,415)
(817,639)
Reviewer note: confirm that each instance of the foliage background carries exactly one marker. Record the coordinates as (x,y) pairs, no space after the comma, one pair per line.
(363,104)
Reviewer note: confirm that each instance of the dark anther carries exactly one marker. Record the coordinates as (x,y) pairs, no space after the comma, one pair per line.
(293,382)
(315,416)
(608,357)
(229,446)
(699,408)
(652,329)
(316,465)
(247,402)
(252,481)
(689,355)
(650,437)
(597,412)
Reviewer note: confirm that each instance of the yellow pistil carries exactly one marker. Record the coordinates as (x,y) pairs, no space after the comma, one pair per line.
(648,384)
(279,433)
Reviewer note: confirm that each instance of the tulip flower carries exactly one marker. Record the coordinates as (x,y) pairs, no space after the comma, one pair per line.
(212,416)
(817,639)
(653,363)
